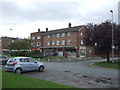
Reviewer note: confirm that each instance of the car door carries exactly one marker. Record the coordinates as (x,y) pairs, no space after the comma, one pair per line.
(24,64)
(33,64)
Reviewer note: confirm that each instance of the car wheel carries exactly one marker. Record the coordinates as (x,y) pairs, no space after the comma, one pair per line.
(41,69)
(18,71)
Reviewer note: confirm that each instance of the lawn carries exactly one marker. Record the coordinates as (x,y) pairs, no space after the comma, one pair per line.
(12,80)
(106,64)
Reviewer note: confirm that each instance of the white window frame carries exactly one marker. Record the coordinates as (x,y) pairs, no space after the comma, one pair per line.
(69,33)
(63,42)
(63,34)
(58,43)
(38,43)
(33,38)
(53,43)
(48,43)
(69,42)
(38,37)
(58,35)
(81,34)
(81,42)
(53,35)
(48,36)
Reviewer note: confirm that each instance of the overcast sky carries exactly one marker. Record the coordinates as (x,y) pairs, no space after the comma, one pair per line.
(26,16)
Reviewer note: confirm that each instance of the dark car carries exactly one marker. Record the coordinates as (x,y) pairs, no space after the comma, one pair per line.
(3,59)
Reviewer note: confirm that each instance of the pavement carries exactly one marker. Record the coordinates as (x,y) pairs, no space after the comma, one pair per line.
(78,74)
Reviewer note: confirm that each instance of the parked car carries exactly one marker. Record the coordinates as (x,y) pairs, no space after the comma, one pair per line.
(23,64)
(3,59)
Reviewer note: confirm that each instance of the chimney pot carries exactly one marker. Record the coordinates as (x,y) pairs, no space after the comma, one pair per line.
(69,25)
(46,29)
(38,30)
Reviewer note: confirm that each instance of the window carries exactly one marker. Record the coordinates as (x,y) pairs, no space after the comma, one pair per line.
(58,42)
(23,60)
(58,35)
(38,37)
(31,60)
(48,36)
(38,43)
(69,33)
(48,43)
(69,42)
(81,33)
(63,34)
(53,43)
(33,38)
(81,42)
(63,42)
(53,35)
(13,40)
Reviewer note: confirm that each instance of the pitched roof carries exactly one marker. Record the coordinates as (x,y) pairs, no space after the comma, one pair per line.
(63,30)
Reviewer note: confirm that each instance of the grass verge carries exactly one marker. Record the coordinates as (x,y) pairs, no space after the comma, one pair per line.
(106,64)
(12,80)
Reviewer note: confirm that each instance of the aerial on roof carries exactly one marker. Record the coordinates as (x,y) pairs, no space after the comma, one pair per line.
(63,30)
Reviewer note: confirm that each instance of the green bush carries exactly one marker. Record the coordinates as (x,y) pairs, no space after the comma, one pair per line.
(35,53)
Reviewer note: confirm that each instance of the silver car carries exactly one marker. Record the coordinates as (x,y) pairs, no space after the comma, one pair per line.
(22,64)
(3,59)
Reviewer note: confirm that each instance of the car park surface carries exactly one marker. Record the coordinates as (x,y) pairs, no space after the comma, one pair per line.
(78,74)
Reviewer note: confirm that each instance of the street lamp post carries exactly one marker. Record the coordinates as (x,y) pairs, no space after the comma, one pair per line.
(113,47)
(11,42)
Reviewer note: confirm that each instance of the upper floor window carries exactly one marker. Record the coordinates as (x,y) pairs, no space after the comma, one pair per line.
(58,35)
(81,42)
(69,42)
(53,35)
(38,37)
(48,36)
(58,43)
(53,43)
(63,42)
(69,33)
(48,43)
(63,34)
(13,40)
(81,33)
(38,43)
(33,38)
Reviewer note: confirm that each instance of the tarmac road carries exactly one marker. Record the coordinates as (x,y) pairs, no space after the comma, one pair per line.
(78,74)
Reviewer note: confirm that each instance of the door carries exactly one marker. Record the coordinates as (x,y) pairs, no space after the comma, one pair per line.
(33,65)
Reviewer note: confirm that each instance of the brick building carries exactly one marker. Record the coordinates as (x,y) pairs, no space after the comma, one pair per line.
(38,39)
(5,43)
(66,41)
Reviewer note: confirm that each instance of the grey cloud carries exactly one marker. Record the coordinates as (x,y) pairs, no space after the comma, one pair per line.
(42,11)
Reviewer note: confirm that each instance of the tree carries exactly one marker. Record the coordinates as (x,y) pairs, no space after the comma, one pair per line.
(100,36)
(22,44)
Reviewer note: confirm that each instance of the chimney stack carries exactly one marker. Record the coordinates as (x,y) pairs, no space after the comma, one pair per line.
(46,29)
(38,30)
(69,25)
